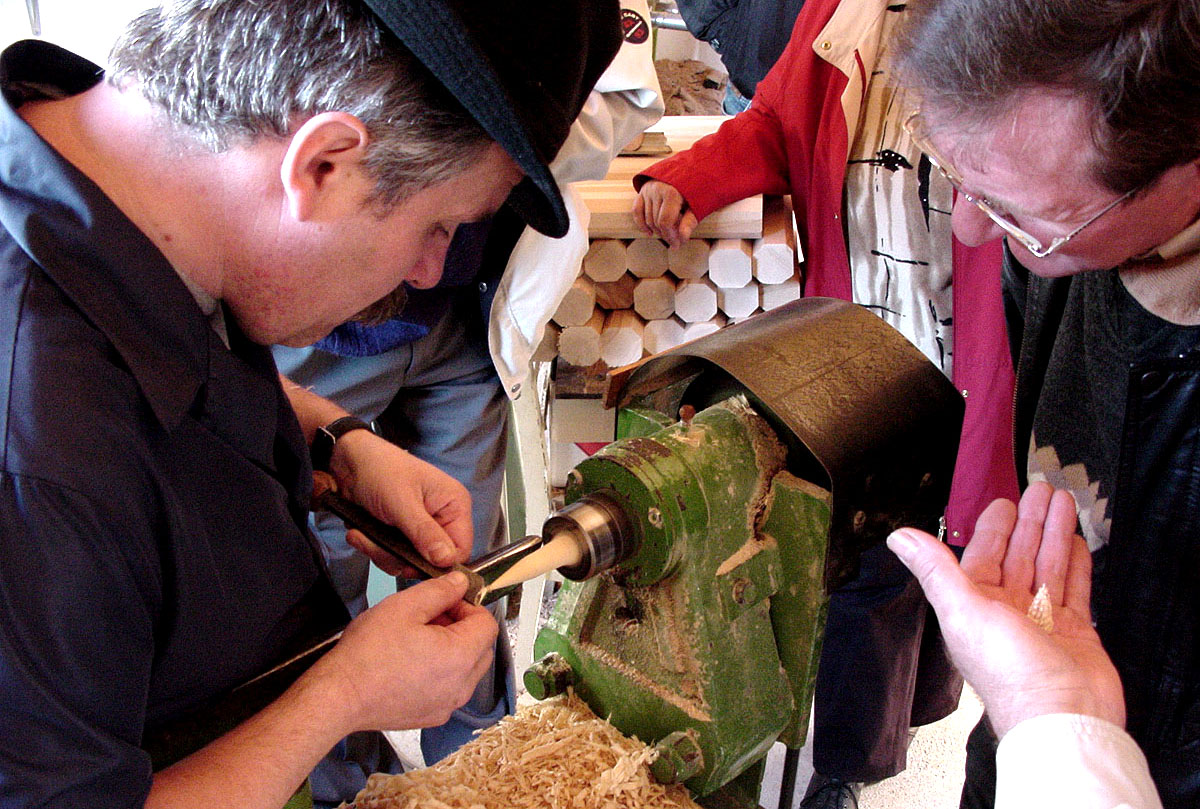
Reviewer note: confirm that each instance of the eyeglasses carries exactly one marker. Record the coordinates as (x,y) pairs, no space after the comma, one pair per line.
(916,128)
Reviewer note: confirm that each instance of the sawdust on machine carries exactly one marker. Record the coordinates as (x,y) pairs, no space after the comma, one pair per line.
(555,754)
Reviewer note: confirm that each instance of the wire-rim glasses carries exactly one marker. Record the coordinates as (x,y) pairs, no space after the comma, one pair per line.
(916,128)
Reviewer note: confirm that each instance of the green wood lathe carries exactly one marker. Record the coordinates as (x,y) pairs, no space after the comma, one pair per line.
(751,469)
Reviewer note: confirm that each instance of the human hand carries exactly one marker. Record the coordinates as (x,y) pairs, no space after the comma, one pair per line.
(411,659)
(660,210)
(430,507)
(1018,669)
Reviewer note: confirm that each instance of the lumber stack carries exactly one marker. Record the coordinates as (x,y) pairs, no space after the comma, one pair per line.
(636,297)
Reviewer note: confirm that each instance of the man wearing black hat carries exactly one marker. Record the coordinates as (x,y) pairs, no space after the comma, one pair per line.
(252,173)
(436,377)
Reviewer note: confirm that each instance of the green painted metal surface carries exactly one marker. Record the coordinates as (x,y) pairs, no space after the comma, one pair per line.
(711,629)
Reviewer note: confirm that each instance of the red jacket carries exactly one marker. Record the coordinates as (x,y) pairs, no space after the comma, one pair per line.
(795,140)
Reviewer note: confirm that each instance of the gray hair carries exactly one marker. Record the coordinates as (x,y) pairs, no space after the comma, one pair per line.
(229,71)
(1136,63)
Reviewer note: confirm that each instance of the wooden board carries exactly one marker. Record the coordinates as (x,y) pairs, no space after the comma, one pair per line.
(611,208)
(610,200)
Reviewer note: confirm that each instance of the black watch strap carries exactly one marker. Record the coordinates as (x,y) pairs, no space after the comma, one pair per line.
(323,441)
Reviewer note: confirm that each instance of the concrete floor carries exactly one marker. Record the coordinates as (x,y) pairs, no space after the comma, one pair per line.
(933,779)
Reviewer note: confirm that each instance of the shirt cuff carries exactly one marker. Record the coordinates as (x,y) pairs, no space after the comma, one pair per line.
(1072,760)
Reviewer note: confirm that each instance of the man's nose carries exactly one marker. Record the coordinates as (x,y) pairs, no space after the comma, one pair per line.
(428,269)
(971,225)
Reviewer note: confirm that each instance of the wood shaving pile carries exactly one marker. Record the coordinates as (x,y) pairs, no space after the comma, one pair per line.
(555,754)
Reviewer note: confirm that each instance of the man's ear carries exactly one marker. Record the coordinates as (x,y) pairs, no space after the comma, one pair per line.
(322,167)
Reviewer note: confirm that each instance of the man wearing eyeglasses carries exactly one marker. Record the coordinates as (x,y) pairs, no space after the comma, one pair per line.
(1071,129)
(873,215)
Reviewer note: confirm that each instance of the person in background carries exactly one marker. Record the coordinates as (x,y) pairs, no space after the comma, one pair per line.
(874,222)
(748,35)
(1051,691)
(252,172)
(426,378)
(1072,130)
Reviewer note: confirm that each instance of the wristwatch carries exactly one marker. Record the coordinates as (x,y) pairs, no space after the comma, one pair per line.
(323,441)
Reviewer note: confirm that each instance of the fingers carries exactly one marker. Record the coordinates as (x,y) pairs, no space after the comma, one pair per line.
(414,657)
(430,599)
(687,223)
(1019,566)
(640,215)
(667,222)
(983,559)
(661,214)
(457,525)
(645,208)
(946,586)
(1022,547)
(473,621)
(1077,592)
(379,557)
(432,541)
(482,664)
(434,511)
(1057,543)
(476,629)
(658,209)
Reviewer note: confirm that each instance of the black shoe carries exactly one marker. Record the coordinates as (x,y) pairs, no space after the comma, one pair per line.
(830,793)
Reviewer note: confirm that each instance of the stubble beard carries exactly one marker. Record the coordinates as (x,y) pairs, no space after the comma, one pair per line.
(386,308)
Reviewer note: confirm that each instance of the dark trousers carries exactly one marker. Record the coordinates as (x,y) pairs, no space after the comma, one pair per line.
(883,670)
(979,787)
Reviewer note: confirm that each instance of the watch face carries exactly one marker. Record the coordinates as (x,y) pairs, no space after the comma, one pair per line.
(634,27)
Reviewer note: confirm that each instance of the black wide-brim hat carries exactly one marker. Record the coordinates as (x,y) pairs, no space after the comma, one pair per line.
(522,68)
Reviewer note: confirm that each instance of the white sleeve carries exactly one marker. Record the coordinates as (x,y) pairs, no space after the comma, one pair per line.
(1084,762)
(540,271)
(625,101)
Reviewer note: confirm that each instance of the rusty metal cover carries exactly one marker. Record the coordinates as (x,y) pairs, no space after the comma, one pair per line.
(864,413)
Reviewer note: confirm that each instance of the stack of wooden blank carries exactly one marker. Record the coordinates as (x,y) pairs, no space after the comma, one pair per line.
(636,297)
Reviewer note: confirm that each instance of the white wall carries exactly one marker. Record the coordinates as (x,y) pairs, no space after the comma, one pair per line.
(87,27)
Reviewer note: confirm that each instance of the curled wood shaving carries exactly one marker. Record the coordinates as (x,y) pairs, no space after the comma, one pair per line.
(555,754)
(1041,611)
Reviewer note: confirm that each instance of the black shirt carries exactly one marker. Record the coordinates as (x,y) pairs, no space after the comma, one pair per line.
(153,540)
